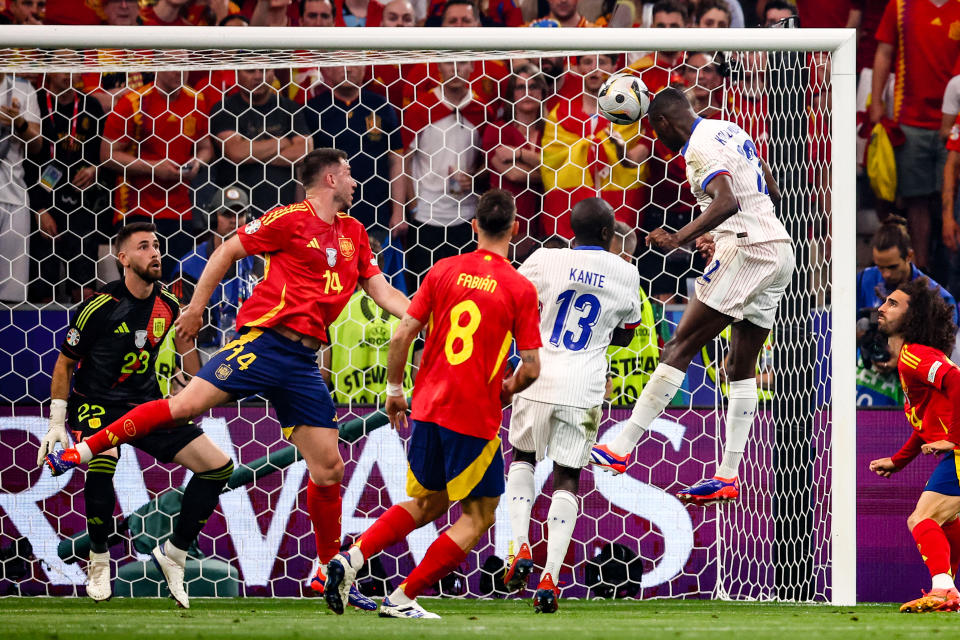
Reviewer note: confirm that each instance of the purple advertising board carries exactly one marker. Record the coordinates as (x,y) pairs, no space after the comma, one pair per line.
(263,531)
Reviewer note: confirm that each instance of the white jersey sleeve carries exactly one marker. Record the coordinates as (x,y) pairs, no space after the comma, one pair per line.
(718,147)
(585,294)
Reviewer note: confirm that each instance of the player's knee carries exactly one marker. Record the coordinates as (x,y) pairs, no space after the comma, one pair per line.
(328,470)
(914,519)
(677,353)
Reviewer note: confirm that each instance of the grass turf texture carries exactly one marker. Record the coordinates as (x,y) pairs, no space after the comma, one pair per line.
(76,619)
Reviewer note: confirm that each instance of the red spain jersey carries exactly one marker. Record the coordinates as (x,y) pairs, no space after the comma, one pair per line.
(312,268)
(475,305)
(923,371)
(154,127)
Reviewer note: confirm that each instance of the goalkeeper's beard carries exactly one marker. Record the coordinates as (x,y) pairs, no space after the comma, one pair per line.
(148,274)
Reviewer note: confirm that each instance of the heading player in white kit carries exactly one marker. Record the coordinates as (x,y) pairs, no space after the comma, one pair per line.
(751,266)
(588,298)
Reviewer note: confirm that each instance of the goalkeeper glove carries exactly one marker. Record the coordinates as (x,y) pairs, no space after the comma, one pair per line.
(56,432)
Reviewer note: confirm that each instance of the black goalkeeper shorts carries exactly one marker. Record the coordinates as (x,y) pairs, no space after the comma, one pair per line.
(86,418)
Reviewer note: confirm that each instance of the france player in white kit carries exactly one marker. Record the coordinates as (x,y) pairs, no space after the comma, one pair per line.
(750,269)
(589,298)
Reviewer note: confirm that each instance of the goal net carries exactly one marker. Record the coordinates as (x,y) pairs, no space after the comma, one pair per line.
(116,125)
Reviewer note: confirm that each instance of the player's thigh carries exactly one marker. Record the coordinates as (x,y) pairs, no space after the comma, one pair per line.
(935,506)
(529,426)
(201,454)
(482,510)
(243,367)
(320,448)
(698,325)
(197,397)
(773,264)
(573,434)
(746,343)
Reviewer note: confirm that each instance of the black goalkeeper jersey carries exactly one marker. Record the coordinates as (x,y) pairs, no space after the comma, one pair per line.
(116,338)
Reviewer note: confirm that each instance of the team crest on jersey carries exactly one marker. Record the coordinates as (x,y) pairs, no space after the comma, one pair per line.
(331,257)
(347,248)
(253,226)
(140,338)
(73,337)
(129,427)
(159,326)
(223,372)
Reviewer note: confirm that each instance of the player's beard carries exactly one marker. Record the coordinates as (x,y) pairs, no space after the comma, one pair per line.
(147,274)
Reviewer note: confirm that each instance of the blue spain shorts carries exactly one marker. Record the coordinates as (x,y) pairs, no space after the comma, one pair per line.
(945,478)
(466,466)
(262,362)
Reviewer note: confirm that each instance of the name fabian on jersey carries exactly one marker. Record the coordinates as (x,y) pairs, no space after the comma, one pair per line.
(586,277)
(484,283)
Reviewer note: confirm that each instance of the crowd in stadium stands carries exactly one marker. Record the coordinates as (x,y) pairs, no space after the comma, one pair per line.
(83,153)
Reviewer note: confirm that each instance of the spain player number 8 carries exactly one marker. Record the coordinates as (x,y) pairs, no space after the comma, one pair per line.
(461,331)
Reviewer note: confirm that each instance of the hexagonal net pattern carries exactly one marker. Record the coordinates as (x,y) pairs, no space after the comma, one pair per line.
(200,143)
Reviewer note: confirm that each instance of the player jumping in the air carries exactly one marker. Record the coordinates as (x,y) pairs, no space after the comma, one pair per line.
(116,337)
(589,297)
(920,330)
(316,255)
(474,306)
(749,272)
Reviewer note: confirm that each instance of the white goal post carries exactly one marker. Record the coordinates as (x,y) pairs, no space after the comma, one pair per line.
(338,46)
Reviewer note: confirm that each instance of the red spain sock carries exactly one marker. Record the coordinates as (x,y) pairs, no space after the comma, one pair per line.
(443,556)
(952,531)
(933,545)
(134,424)
(390,528)
(325,507)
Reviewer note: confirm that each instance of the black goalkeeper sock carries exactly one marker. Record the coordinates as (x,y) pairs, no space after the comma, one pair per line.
(200,498)
(99,500)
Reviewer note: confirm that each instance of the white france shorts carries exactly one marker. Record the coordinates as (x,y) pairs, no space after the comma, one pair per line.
(747,281)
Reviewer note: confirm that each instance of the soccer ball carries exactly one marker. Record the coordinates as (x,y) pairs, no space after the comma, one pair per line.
(623,98)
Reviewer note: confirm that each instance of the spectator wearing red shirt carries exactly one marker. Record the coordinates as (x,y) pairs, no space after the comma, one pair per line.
(865,16)
(922,37)
(74,12)
(156,139)
(825,14)
(513,151)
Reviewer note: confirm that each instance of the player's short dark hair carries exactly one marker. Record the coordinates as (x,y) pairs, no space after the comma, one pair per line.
(453,3)
(496,212)
(128,230)
(929,318)
(670,6)
(667,101)
(589,218)
(893,233)
(784,5)
(556,242)
(317,161)
(708,5)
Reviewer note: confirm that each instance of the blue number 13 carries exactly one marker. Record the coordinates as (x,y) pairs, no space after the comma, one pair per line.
(589,307)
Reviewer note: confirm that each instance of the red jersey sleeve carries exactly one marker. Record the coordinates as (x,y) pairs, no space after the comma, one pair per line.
(115,128)
(268,233)
(422,303)
(526,325)
(909,451)
(887,31)
(366,262)
(924,365)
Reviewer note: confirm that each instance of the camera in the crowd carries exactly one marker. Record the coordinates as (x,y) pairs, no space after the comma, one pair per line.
(872,344)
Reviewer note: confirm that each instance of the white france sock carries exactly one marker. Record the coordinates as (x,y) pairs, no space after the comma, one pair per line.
(740,412)
(561,520)
(520,496)
(656,395)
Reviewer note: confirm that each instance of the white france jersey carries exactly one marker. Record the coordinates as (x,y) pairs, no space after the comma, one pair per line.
(585,293)
(719,147)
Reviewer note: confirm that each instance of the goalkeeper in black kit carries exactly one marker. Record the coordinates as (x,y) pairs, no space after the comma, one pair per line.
(110,352)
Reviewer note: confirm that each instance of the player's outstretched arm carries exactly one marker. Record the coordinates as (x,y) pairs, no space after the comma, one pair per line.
(403,337)
(386,295)
(59,390)
(190,321)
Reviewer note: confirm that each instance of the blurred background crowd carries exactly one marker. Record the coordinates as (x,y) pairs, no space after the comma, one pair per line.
(201,152)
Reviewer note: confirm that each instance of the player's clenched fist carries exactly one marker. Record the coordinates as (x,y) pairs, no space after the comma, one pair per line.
(189,323)
(883,467)
(662,239)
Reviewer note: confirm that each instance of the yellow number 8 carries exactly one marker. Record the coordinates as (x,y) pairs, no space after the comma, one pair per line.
(463,332)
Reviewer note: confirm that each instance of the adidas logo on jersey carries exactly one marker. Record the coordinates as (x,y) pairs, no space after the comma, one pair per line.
(122,328)
(313,244)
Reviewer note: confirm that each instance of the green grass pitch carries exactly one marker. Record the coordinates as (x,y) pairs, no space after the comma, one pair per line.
(287,619)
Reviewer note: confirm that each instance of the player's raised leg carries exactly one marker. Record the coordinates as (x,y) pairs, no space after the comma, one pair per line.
(746,342)
(197,397)
(211,470)
(698,325)
(932,510)
(520,495)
